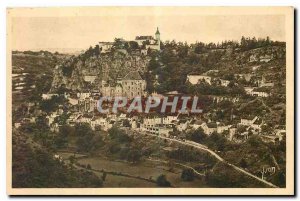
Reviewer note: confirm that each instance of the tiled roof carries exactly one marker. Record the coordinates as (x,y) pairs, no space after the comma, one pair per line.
(211,125)
(134,75)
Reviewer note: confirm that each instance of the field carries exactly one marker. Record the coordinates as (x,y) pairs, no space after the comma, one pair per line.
(146,170)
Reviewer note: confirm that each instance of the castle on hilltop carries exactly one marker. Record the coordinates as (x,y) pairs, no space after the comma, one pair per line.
(144,43)
(132,84)
(149,41)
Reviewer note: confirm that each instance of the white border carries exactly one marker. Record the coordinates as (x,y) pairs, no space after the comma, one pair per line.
(42,3)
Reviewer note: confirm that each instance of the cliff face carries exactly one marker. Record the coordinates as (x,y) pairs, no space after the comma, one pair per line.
(71,73)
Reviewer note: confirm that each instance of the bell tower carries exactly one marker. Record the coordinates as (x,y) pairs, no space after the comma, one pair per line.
(157,37)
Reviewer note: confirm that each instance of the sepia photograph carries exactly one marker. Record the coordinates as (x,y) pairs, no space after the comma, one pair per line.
(150,101)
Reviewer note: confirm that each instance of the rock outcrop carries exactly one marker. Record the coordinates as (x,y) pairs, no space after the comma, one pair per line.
(71,72)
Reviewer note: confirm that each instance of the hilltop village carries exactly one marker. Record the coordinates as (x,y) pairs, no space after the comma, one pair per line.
(240,84)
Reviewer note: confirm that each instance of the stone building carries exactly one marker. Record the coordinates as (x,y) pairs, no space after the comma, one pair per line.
(132,85)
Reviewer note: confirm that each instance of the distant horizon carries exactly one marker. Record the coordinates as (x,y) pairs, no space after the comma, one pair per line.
(81,32)
(72,50)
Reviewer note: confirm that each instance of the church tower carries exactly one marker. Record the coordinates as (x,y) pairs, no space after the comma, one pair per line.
(157,37)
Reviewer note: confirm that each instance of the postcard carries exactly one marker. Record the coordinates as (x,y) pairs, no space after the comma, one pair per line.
(150,101)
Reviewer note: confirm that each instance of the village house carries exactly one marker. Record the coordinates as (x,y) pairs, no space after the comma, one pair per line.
(264,83)
(105,46)
(87,104)
(73,101)
(150,122)
(281,133)
(144,52)
(134,124)
(28,120)
(209,128)
(113,117)
(218,99)
(48,96)
(90,78)
(195,79)
(253,58)
(265,58)
(252,92)
(169,120)
(270,138)
(248,121)
(122,117)
(158,129)
(254,68)
(158,125)
(246,76)
(221,127)
(224,83)
(232,132)
(253,122)
(83,95)
(99,121)
(50,118)
(196,123)
(85,118)
(211,72)
(54,127)
(182,125)
(17,124)
(109,124)
(72,118)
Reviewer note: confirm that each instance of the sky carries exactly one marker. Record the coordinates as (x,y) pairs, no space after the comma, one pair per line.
(35,33)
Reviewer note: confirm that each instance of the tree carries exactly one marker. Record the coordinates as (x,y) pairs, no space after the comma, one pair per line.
(133,45)
(104,176)
(243,163)
(61,139)
(33,167)
(279,178)
(134,156)
(197,135)
(82,129)
(97,50)
(62,119)
(118,43)
(126,123)
(72,159)
(118,135)
(187,175)
(162,181)
(67,71)
(84,142)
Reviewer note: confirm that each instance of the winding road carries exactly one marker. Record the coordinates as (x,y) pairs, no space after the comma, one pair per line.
(204,148)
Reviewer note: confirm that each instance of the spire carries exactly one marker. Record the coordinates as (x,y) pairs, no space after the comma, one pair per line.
(157,31)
